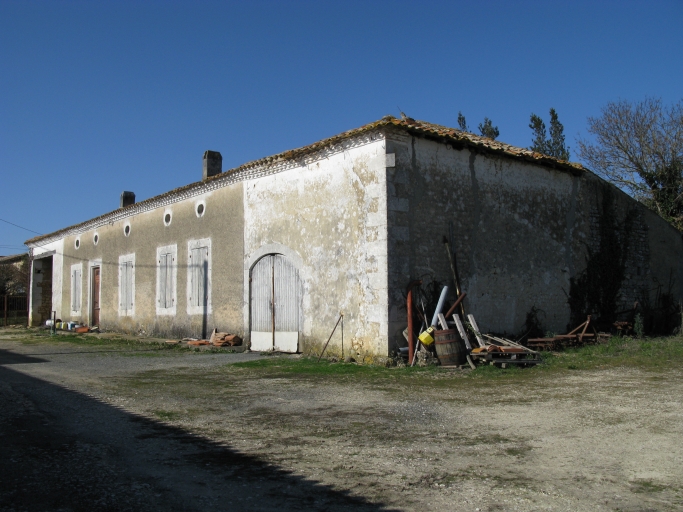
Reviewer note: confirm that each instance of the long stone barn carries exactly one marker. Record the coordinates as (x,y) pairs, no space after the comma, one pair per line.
(343,225)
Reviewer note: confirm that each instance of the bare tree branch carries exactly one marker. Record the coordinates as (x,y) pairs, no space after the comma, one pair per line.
(639,148)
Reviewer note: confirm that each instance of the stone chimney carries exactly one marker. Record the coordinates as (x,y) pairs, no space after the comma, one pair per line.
(127,198)
(213,164)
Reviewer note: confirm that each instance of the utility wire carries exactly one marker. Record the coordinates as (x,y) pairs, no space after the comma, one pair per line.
(20,227)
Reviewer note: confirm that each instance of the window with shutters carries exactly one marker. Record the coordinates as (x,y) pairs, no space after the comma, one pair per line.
(76,288)
(167,273)
(199,277)
(127,285)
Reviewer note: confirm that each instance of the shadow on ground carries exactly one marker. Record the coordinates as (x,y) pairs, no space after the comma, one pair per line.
(7,357)
(63,450)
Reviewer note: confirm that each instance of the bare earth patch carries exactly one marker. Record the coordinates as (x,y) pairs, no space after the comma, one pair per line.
(87,426)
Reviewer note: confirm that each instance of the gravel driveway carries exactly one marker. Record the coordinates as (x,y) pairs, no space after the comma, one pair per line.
(88,427)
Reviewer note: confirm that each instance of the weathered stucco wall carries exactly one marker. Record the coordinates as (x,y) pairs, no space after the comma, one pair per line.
(359,219)
(521,231)
(330,216)
(222,222)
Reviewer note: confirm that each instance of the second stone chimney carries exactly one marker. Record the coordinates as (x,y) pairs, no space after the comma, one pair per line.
(127,198)
(213,164)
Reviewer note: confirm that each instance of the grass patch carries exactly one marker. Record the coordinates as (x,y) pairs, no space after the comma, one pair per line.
(167,415)
(518,451)
(282,366)
(646,486)
(648,353)
(485,439)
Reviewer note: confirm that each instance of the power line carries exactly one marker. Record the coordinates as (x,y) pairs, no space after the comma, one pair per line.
(20,227)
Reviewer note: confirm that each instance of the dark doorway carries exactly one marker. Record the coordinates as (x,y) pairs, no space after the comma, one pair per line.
(95,313)
(41,290)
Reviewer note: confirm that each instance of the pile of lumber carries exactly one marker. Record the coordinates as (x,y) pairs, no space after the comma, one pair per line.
(224,339)
(493,349)
(490,349)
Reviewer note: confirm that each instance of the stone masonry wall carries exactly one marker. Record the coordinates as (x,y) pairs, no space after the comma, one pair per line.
(521,231)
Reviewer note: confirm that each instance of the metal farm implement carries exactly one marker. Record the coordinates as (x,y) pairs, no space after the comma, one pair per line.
(579,336)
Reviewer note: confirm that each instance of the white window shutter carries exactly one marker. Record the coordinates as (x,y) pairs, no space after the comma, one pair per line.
(78,290)
(169,280)
(162,281)
(73,290)
(130,285)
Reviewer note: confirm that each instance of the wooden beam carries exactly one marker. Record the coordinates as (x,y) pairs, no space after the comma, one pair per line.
(442,322)
(462,331)
(477,332)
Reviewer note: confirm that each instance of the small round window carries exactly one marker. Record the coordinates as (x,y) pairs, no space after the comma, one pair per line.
(95,238)
(167,219)
(126,229)
(77,243)
(200,209)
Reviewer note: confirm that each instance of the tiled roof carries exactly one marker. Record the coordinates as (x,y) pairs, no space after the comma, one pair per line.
(456,138)
(460,138)
(14,258)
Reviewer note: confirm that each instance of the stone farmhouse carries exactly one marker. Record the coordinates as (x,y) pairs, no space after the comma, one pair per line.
(275,249)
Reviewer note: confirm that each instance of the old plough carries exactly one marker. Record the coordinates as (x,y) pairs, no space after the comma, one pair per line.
(581,335)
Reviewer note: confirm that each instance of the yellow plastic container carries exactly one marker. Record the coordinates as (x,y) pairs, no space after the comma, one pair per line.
(427,337)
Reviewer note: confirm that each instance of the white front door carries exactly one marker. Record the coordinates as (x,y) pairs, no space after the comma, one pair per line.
(275,299)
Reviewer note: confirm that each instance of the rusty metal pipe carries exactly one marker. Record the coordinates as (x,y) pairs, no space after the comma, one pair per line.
(455,305)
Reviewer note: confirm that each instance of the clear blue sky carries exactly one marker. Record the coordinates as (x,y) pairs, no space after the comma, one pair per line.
(97,97)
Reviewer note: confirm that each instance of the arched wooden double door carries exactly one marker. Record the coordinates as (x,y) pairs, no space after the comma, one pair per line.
(275,300)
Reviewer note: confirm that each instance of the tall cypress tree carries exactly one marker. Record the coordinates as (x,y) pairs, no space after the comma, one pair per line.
(538,144)
(555,145)
(488,130)
(462,123)
(558,149)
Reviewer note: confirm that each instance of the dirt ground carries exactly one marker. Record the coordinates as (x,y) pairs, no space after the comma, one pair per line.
(109,427)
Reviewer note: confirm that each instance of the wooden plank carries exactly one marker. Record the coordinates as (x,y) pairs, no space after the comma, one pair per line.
(509,343)
(442,322)
(461,330)
(477,332)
